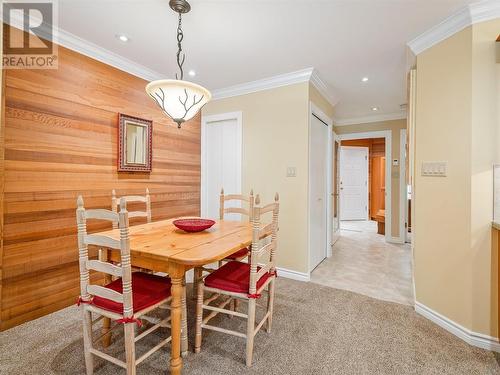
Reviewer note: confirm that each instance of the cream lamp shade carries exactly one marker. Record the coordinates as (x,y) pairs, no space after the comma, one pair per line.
(179,100)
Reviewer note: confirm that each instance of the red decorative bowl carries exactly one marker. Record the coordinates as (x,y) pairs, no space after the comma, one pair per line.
(193,225)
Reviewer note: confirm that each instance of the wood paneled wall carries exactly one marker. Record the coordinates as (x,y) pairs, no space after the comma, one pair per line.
(376,171)
(61,141)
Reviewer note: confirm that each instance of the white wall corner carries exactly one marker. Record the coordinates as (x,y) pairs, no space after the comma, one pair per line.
(472,338)
(469,15)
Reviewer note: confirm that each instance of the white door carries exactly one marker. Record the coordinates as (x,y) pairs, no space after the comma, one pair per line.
(221,161)
(318,177)
(353,183)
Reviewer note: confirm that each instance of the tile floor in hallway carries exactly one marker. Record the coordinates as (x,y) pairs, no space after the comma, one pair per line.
(364,263)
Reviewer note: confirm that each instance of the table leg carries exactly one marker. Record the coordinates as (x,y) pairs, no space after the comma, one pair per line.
(176,273)
(106,322)
(184,327)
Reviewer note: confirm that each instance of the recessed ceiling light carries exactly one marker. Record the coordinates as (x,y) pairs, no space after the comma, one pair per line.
(364,79)
(192,73)
(374,108)
(123,38)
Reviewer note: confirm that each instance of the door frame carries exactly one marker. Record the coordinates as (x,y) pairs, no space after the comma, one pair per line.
(387,134)
(367,176)
(403,193)
(334,180)
(315,111)
(205,121)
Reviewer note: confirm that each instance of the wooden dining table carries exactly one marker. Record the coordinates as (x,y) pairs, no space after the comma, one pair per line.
(161,247)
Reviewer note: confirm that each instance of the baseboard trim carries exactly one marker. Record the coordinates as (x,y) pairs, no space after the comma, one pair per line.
(472,338)
(294,275)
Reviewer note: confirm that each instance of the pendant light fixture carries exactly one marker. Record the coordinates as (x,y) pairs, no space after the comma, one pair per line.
(178,99)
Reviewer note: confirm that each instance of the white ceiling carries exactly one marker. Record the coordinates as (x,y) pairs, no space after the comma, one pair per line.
(229,42)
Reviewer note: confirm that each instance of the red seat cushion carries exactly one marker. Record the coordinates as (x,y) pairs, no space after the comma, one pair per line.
(147,290)
(234,277)
(239,254)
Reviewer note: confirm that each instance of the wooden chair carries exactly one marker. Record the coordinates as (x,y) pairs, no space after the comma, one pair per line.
(130,199)
(242,253)
(244,281)
(124,300)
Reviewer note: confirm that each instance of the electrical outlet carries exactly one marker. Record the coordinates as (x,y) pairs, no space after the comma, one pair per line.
(291,172)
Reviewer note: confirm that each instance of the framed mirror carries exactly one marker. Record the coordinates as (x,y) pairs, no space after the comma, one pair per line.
(134,143)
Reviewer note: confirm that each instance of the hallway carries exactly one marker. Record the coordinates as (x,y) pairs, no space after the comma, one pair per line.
(364,263)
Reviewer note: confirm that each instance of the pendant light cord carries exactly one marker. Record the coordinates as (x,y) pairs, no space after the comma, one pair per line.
(180,55)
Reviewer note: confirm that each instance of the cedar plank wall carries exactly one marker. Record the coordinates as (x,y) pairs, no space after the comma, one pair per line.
(61,141)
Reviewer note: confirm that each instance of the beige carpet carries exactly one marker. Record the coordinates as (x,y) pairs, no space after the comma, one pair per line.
(317,330)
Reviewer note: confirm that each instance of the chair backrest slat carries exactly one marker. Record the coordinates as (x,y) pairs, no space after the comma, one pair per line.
(130,199)
(223,209)
(125,268)
(266,230)
(236,210)
(104,267)
(260,245)
(101,214)
(100,291)
(135,198)
(240,197)
(137,214)
(104,241)
(267,208)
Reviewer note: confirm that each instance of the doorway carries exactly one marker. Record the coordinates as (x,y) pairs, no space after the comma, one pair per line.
(362,186)
(354,183)
(364,261)
(221,157)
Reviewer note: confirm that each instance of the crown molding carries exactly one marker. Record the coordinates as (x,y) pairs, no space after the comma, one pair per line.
(321,86)
(368,119)
(299,76)
(68,40)
(96,52)
(474,13)
(87,48)
(280,80)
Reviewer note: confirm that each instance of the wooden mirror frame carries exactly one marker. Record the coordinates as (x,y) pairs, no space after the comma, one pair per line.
(123,165)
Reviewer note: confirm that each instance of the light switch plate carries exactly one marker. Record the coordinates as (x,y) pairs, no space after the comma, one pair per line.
(434,168)
(291,172)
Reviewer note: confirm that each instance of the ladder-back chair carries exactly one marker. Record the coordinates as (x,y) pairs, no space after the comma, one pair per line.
(132,199)
(244,281)
(146,199)
(224,209)
(125,300)
(241,254)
